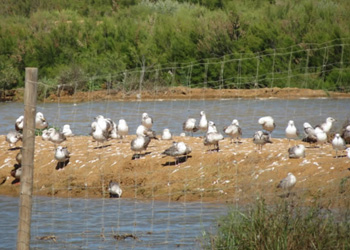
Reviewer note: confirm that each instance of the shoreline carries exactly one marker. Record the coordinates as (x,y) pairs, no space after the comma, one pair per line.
(184,93)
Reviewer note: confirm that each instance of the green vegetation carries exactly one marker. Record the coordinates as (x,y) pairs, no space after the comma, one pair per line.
(281,227)
(91,44)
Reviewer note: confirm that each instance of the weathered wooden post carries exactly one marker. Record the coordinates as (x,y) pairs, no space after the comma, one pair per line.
(25,206)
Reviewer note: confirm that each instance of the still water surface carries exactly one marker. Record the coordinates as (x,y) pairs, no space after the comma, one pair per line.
(171,114)
(91,223)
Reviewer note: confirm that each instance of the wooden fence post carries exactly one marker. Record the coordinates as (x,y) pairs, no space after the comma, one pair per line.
(25,206)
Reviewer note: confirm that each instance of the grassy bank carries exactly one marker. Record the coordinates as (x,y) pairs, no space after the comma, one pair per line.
(284,226)
(212,43)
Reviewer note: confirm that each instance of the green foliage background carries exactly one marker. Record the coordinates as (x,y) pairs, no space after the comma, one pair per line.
(196,43)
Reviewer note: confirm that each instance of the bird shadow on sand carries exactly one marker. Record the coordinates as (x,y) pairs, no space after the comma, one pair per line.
(61,165)
(15,148)
(179,160)
(286,195)
(340,156)
(139,156)
(103,146)
(15,181)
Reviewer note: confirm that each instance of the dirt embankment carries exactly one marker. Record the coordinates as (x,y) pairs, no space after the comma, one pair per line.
(237,173)
(183,93)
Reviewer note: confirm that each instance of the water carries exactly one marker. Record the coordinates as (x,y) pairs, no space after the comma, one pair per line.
(171,114)
(80,223)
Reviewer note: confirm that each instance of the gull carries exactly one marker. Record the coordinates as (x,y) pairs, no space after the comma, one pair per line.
(55,136)
(114,190)
(297,151)
(190,126)
(326,126)
(147,120)
(40,122)
(321,136)
(212,136)
(287,183)
(166,135)
(177,150)
(203,122)
(144,131)
(101,129)
(346,134)
(348,152)
(67,131)
(261,138)
(19,158)
(62,155)
(13,137)
(310,133)
(233,130)
(19,123)
(16,173)
(114,133)
(123,128)
(267,123)
(291,131)
(45,136)
(338,143)
(139,144)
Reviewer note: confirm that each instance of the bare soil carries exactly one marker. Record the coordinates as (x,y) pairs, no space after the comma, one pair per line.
(238,173)
(193,93)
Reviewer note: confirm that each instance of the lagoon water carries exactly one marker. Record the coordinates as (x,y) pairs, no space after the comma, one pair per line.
(171,114)
(92,223)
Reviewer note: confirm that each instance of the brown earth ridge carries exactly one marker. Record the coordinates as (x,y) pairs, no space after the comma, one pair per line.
(179,93)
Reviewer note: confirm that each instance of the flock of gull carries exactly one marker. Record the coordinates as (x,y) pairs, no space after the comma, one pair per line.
(104,129)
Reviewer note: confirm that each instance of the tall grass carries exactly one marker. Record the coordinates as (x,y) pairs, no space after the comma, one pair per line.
(283,226)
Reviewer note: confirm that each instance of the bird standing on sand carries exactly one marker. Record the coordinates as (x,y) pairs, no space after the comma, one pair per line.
(233,130)
(101,129)
(310,133)
(212,136)
(19,123)
(56,137)
(203,122)
(40,121)
(190,126)
(62,155)
(261,138)
(327,125)
(291,131)
(346,134)
(177,150)
(139,144)
(66,130)
(114,190)
(166,135)
(123,128)
(45,136)
(147,120)
(144,131)
(16,172)
(297,151)
(267,123)
(338,143)
(13,137)
(288,183)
